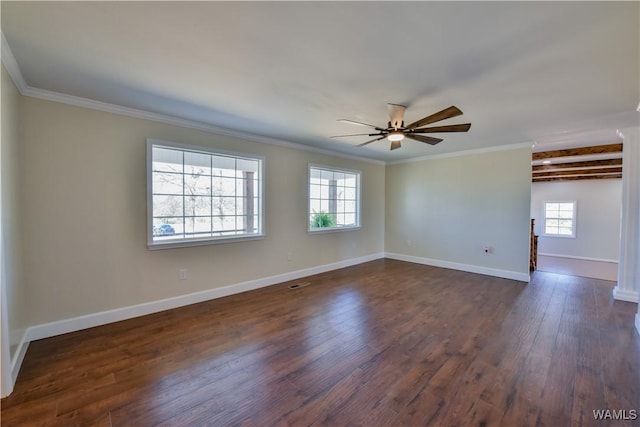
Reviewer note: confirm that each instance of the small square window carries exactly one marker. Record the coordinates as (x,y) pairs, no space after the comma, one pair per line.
(560,219)
(334,199)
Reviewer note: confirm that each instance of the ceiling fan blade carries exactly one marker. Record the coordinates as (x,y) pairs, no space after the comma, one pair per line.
(396,114)
(464,127)
(395,144)
(447,113)
(421,138)
(353,134)
(353,122)
(373,140)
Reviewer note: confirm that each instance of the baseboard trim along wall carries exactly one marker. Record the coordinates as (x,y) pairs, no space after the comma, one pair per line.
(612,261)
(625,295)
(73,324)
(18,357)
(487,271)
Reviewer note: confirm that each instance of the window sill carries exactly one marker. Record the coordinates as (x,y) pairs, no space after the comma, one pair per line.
(331,230)
(172,244)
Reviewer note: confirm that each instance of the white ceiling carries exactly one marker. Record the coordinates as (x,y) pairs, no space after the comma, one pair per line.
(521,72)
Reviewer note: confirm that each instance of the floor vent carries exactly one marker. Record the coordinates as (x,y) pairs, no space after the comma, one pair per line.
(299,285)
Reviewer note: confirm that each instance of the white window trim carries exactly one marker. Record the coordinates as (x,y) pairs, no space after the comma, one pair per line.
(573,223)
(358,173)
(181,243)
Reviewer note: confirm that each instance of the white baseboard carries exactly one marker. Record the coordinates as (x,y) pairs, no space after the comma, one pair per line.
(47,330)
(505,274)
(18,357)
(73,324)
(582,258)
(625,295)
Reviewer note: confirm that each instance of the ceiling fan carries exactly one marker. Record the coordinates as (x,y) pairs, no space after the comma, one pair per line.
(396,130)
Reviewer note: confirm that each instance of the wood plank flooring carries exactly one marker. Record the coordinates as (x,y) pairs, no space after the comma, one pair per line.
(386,343)
(578,267)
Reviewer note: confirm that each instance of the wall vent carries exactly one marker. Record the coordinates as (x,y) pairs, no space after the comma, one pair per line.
(299,285)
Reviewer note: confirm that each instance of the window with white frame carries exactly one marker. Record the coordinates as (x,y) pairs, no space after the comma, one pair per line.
(197,195)
(334,198)
(560,218)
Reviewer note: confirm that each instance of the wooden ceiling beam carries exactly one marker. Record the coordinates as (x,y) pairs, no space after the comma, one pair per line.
(597,171)
(591,163)
(581,151)
(577,178)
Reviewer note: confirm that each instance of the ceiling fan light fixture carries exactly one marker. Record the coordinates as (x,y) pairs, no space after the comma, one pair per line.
(396,131)
(395,136)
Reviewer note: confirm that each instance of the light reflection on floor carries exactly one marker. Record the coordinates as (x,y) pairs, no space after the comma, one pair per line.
(344,318)
(341,321)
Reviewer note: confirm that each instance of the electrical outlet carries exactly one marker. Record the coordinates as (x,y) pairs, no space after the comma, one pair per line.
(182,274)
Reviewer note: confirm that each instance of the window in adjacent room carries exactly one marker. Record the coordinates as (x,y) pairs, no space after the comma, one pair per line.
(334,199)
(560,219)
(197,195)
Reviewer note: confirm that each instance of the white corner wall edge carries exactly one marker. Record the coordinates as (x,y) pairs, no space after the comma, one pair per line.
(628,267)
(625,295)
(73,324)
(487,271)
(638,322)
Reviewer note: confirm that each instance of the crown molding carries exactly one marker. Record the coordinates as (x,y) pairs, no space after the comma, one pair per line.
(14,71)
(465,153)
(176,121)
(11,65)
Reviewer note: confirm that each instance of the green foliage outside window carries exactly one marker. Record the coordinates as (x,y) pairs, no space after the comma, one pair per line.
(322,220)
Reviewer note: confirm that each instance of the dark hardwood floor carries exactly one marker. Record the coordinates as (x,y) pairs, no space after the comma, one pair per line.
(386,343)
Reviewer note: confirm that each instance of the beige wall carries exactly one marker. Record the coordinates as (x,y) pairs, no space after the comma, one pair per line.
(84,217)
(13,279)
(447,209)
(83,213)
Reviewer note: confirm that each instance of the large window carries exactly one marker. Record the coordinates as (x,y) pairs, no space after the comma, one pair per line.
(560,219)
(199,196)
(334,199)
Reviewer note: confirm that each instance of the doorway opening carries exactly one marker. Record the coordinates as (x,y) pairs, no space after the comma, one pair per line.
(576,200)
